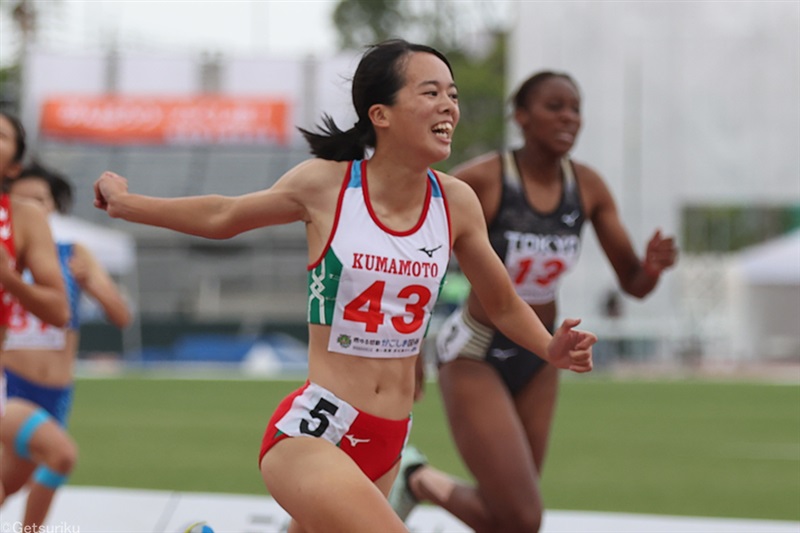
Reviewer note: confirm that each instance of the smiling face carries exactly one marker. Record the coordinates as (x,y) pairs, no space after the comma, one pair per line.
(551,117)
(425,111)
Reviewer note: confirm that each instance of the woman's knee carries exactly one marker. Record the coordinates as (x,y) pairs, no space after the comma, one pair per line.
(65,459)
(520,519)
(515,515)
(61,455)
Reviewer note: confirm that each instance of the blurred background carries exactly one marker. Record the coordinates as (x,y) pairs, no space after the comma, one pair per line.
(691,113)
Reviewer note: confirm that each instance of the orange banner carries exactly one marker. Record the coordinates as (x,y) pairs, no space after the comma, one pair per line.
(146,120)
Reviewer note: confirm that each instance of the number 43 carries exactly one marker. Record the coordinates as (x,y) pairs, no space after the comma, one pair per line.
(366,308)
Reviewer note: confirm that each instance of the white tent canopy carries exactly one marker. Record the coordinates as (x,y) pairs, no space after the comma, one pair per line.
(775,262)
(767,284)
(116,250)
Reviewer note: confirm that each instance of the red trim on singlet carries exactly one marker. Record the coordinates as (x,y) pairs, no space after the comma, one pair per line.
(375,218)
(7,240)
(446,211)
(339,203)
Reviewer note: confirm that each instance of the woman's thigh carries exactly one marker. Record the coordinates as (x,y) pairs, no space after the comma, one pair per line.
(536,404)
(324,490)
(489,435)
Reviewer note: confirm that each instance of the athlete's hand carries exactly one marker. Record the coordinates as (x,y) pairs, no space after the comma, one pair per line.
(571,348)
(661,254)
(106,187)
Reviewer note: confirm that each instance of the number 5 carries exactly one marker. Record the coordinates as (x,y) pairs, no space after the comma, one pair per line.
(318,412)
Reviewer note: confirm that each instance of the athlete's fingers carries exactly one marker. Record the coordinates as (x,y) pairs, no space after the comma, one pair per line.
(585,340)
(581,367)
(569,323)
(580,356)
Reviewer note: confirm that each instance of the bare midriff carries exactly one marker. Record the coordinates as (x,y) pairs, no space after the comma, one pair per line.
(382,387)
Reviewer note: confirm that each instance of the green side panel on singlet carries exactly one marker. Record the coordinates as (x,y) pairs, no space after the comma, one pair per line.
(438,295)
(323,284)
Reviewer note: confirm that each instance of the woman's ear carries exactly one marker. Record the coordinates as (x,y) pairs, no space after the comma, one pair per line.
(521,117)
(379,115)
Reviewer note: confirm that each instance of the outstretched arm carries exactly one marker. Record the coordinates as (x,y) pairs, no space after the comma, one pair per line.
(568,348)
(637,277)
(210,216)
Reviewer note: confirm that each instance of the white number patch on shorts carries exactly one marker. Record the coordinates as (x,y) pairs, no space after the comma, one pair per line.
(318,413)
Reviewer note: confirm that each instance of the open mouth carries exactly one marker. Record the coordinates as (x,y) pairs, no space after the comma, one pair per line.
(443,130)
(565,136)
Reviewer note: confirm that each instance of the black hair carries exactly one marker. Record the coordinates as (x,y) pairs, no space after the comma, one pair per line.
(19,132)
(378,78)
(60,188)
(520,98)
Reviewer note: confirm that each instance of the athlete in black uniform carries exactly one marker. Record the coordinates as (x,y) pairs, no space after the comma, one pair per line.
(500,399)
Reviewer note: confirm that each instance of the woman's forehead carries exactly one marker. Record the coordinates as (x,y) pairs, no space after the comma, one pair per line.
(556,85)
(422,67)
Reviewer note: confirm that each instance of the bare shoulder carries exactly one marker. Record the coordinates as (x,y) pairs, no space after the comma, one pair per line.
(27,215)
(593,187)
(311,184)
(459,194)
(315,173)
(26,207)
(587,175)
(483,167)
(31,230)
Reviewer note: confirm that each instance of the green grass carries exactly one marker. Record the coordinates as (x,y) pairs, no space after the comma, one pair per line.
(664,447)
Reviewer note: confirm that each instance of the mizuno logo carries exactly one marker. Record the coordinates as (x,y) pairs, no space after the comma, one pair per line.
(354,440)
(571,218)
(497,353)
(429,253)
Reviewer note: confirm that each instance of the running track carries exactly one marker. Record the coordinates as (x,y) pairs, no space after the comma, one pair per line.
(111,510)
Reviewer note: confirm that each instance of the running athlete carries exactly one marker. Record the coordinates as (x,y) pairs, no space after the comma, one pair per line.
(379,234)
(500,395)
(39,359)
(26,244)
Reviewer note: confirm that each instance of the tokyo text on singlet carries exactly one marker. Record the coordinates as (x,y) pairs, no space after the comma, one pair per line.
(374,286)
(537,248)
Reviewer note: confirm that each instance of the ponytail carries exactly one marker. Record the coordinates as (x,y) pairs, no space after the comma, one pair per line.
(333,144)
